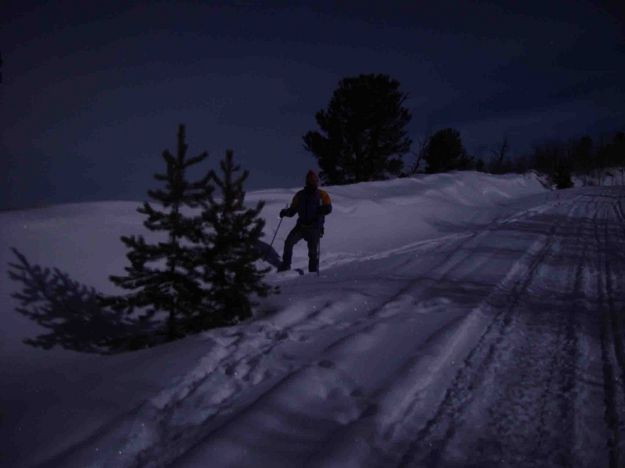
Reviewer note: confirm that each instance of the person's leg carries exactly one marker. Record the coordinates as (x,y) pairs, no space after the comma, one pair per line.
(293,238)
(312,239)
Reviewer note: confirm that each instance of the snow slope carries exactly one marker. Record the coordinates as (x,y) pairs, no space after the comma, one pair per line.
(459,319)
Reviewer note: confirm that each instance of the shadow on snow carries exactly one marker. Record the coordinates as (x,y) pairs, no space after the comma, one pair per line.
(75,315)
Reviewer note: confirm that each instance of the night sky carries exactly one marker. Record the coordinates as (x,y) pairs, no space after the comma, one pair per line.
(90,96)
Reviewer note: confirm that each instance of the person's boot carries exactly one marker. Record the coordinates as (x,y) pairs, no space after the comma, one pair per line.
(313,266)
(284,267)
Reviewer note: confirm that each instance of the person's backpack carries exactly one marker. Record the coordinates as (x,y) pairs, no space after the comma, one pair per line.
(308,209)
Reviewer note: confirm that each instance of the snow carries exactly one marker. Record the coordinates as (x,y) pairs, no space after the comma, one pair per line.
(604,176)
(459,319)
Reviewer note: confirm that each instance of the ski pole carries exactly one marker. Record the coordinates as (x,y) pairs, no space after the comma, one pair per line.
(275,233)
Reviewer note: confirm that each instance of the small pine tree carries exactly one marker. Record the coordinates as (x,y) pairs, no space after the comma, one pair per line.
(562,176)
(232,234)
(480,166)
(445,152)
(162,275)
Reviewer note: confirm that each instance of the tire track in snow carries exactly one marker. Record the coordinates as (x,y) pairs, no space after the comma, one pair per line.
(554,344)
(376,315)
(612,339)
(563,364)
(589,447)
(552,337)
(612,281)
(610,390)
(539,397)
(444,268)
(477,360)
(433,439)
(392,432)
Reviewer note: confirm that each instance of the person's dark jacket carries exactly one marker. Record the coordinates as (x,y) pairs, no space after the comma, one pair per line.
(311,205)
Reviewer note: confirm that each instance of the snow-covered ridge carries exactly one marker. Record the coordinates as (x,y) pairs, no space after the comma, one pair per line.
(370,217)
(367,217)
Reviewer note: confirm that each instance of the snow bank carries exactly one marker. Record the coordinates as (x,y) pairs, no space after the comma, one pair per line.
(370,217)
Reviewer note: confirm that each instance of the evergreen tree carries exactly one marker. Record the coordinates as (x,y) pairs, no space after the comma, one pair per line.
(445,152)
(363,131)
(561,177)
(231,237)
(480,166)
(162,275)
(616,152)
(580,152)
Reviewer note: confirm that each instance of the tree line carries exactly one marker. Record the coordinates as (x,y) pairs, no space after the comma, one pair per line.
(363,136)
(586,157)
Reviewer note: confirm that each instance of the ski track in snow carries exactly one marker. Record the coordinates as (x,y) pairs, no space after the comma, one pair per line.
(530,362)
(535,415)
(483,386)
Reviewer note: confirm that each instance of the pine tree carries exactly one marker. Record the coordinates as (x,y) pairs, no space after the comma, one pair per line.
(162,275)
(363,131)
(445,152)
(562,176)
(232,234)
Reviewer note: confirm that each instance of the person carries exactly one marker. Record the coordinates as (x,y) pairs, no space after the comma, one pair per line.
(311,205)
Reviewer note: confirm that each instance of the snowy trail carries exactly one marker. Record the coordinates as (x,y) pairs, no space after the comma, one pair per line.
(498,416)
(527,392)
(499,346)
